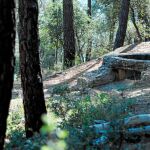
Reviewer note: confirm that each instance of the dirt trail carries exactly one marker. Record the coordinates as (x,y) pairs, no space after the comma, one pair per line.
(70,75)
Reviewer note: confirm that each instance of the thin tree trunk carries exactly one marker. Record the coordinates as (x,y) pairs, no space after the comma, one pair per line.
(147,28)
(79,49)
(112,23)
(135,25)
(56,53)
(111,34)
(69,37)
(123,21)
(7,45)
(56,46)
(89,48)
(31,78)
(144,17)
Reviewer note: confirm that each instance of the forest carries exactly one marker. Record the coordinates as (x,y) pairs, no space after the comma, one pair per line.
(74,74)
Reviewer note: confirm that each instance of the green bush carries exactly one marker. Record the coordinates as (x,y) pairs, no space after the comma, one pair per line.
(61,89)
(74,116)
(15,138)
(55,136)
(51,137)
(78,115)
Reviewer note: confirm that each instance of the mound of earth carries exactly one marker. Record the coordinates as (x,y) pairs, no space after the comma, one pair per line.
(96,76)
(70,76)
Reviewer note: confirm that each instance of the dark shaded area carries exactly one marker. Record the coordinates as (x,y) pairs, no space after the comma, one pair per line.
(136,56)
(133,74)
(7,61)
(122,74)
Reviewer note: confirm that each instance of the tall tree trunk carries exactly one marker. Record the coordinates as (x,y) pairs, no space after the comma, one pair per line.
(89,47)
(123,21)
(146,19)
(111,21)
(56,46)
(31,78)
(79,48)
(7,45)
(135,25)
(144,16)
(69,37)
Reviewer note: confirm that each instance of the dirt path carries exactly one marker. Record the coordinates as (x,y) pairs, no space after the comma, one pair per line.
(70,75)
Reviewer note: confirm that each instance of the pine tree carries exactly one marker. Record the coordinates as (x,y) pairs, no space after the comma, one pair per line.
(89,48)
(69,36)
(31,78)
(123,20)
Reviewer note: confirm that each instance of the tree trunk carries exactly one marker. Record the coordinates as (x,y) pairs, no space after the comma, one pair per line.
(79,48)
(123,20)
(144,16)
(111,21)
(135,25)
(147,23)
(89,48)
(69,37)
(7,45)
(31,78)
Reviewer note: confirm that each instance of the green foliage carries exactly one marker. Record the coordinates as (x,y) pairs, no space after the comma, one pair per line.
(58,67)
(74,116)
(51,33)
(51,137)
(61,89)
(78,115)
(55,136)
(50,29)
(15,138)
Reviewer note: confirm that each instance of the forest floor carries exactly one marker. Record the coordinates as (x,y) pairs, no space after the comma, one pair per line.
(123,90)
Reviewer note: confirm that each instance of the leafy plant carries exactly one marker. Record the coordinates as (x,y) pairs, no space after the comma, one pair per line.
(55,136)
(78,115)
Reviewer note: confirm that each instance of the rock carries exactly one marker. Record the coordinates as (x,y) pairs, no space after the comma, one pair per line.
(115,68)
(131,129)
(138,62)
(145,79)
(143,145)
(102,76)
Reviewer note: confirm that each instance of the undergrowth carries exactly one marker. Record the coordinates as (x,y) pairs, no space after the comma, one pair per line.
(78,115)
(73,116)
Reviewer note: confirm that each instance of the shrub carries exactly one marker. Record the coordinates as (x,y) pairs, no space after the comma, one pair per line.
(55,136)
(78,115)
